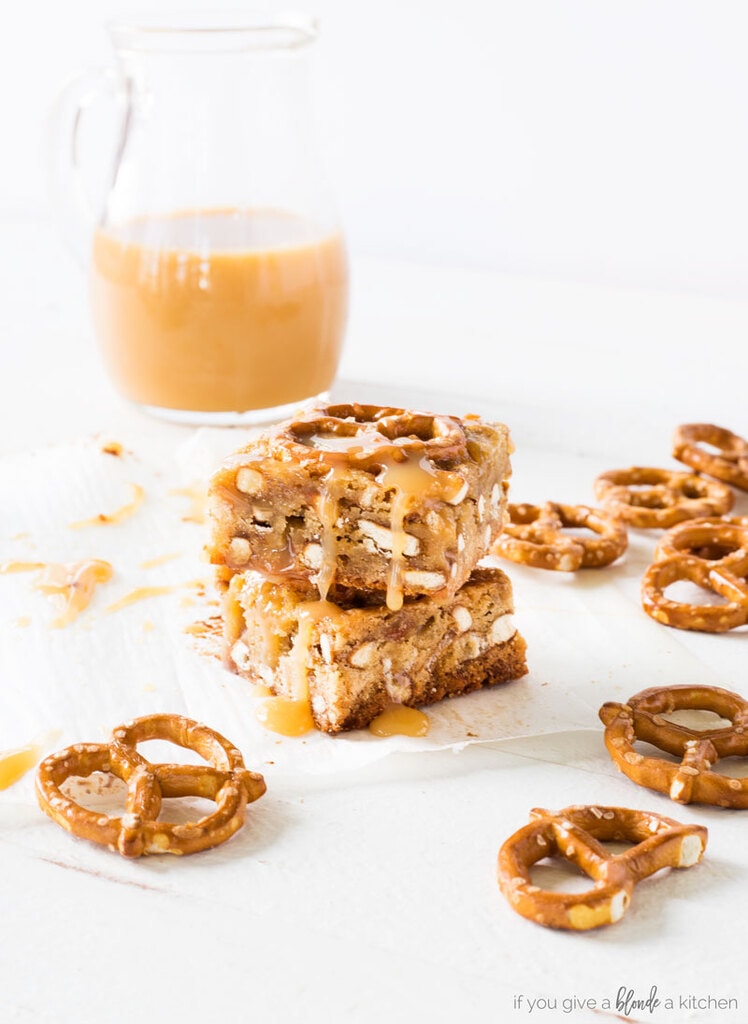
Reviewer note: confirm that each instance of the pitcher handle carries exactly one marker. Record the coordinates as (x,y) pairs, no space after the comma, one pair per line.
(71,195)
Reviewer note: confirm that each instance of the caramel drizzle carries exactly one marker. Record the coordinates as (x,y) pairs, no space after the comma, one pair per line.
(15,763)
(75,582)
(144,593)
(292,716)
(110,518)
(403,468)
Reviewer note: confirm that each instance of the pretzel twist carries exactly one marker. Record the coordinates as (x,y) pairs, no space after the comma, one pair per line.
(534,536)
(138,831)
(693,780)
(650,498)
(577,834)
(364,435)
(722,542)
(725,576)
(731,462)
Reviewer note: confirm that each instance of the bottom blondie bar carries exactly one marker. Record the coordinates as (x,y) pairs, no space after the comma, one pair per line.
(352,660)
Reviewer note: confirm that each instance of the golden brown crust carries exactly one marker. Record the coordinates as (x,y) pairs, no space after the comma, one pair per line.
(534,536)
(651,498)
(139,831)
(501,664)
(731,462)
(576,834)
(693,780)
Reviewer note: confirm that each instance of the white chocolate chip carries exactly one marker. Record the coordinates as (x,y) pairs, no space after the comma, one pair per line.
(459,496)
(312,556)
(460,542)
(249,481)
(495,495)
(240,655)
(325,646)
(363,655)
(384,538)
(239,550)
(502,629)
(481,507)
(462,617)
(420,579)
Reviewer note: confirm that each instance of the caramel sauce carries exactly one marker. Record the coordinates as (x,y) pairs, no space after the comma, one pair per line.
(144,593)
(399,720)
(153,563)
(198,497)
(15,763)
(328,514)
(140,594)
(11,567)
(293,716)
(220,309)
(412,479)
(110,518)
(285,716)
(403,468)
(74,581)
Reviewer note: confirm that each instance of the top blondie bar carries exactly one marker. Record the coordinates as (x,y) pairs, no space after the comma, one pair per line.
(360,499)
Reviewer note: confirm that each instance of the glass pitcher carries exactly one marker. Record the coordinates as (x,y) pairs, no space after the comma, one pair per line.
(218,271)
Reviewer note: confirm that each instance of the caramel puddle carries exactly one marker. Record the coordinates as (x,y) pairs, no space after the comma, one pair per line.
(15,763)
(285,716)
(399,720)
(75,582)
(110,518)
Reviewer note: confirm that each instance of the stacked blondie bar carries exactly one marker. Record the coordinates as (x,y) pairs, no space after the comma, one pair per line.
(347,542)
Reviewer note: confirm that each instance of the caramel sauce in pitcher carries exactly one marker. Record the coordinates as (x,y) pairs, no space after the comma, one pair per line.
(220,310)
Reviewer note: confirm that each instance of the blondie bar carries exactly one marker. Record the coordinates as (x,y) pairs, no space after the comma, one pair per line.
(352,661)
(365,499)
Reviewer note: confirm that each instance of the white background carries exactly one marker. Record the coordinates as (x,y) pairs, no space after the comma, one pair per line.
(598,140)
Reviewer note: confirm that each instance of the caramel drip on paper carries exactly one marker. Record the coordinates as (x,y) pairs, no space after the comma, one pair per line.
(286,717)
(140,594)
(15,763)
(73,581)
(110,518)
(198,497)
(152,563)
(399,720)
